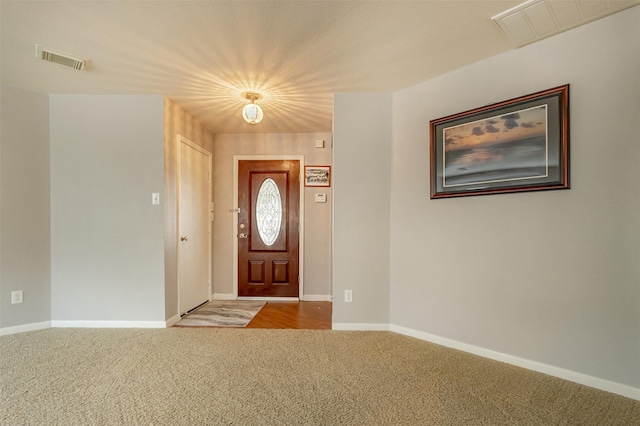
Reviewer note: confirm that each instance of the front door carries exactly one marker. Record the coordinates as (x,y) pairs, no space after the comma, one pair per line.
(268,228)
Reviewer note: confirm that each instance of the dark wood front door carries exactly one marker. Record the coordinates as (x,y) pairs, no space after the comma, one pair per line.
(268,228)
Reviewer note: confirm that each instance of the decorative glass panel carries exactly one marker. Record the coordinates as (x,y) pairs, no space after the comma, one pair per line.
(269,212)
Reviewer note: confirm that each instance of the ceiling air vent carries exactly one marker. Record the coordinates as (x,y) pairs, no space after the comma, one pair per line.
(57,57)
(537,19)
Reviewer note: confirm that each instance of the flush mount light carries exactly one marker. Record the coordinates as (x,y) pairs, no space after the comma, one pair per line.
(252,113)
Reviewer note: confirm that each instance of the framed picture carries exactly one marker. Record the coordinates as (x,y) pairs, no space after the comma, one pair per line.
(317,175)
(512,146)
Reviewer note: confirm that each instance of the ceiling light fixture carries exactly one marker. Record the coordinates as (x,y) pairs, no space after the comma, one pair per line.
(252,113)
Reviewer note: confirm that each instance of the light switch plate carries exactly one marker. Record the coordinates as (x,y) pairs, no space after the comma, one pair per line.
(321,198)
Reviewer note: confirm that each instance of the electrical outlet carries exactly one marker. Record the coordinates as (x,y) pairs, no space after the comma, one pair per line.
(348,296)
(16,297)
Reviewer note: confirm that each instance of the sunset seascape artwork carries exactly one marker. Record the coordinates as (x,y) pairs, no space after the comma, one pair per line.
(517,145)
(502,148)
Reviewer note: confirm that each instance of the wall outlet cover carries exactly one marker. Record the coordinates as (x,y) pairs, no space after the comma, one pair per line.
(16,297)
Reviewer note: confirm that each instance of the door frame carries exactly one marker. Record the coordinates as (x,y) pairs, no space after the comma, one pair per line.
(181,139)
(234,228)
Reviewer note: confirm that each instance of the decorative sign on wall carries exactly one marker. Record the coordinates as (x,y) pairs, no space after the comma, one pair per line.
(512,146)
(317,175)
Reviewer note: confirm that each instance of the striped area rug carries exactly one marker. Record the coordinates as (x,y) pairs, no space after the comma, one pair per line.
(222,313)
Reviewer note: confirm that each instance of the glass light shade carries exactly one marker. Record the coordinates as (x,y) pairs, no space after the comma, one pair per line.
(252,113)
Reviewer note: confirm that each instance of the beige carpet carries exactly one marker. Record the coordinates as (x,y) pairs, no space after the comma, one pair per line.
(222,313)
(226,376)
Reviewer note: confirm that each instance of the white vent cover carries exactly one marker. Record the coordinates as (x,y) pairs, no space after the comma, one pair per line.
(538,19)
(57,57)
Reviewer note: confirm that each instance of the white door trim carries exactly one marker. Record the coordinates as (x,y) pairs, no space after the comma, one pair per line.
(234,228)
(181,139)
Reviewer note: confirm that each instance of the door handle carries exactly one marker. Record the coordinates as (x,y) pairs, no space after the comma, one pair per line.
(243,235)
(183,238)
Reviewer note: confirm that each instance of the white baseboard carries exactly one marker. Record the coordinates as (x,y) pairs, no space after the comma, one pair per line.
(223,296)
(25,327)
(108,324)
(573,376)
(360,326)
(316,297)
(171,321)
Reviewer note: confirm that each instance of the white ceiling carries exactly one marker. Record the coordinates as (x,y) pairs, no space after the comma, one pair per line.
(205,54)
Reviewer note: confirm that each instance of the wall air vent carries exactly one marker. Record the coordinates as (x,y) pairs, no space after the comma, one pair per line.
(57,57)
(537,19)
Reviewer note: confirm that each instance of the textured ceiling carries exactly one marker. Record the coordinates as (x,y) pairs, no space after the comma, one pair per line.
(205,54)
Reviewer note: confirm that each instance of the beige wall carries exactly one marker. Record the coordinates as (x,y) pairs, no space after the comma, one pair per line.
(25,245)
(107,260)
(317,216)
(362,160)
(548,280)
(176,122)
(553,276)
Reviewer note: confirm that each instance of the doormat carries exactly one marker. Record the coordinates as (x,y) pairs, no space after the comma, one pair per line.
(222,313)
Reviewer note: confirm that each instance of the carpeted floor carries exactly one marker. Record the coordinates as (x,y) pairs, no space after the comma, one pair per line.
(227,376)
(222,313)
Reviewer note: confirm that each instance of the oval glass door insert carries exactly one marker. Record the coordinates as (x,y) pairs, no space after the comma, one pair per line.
(268,212)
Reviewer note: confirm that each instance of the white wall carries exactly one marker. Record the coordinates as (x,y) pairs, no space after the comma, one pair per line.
(552,277)
(362,176)
(24,214)
(106,237)
(317,216)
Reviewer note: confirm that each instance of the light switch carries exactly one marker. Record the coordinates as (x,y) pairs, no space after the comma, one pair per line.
(319,143)
(321,198)
(155,198)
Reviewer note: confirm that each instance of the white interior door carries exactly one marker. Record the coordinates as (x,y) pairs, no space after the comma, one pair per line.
(194,225)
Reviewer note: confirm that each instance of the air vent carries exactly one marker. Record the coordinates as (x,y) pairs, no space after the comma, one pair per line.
(57,57)
(538,19)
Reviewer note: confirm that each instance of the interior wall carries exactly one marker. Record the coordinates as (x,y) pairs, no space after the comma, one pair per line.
(177,122)
(317,216)
(554,276)
(106,236)
(25,253)
(362,172)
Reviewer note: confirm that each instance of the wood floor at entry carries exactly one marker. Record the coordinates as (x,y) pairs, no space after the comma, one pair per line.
(296,315)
